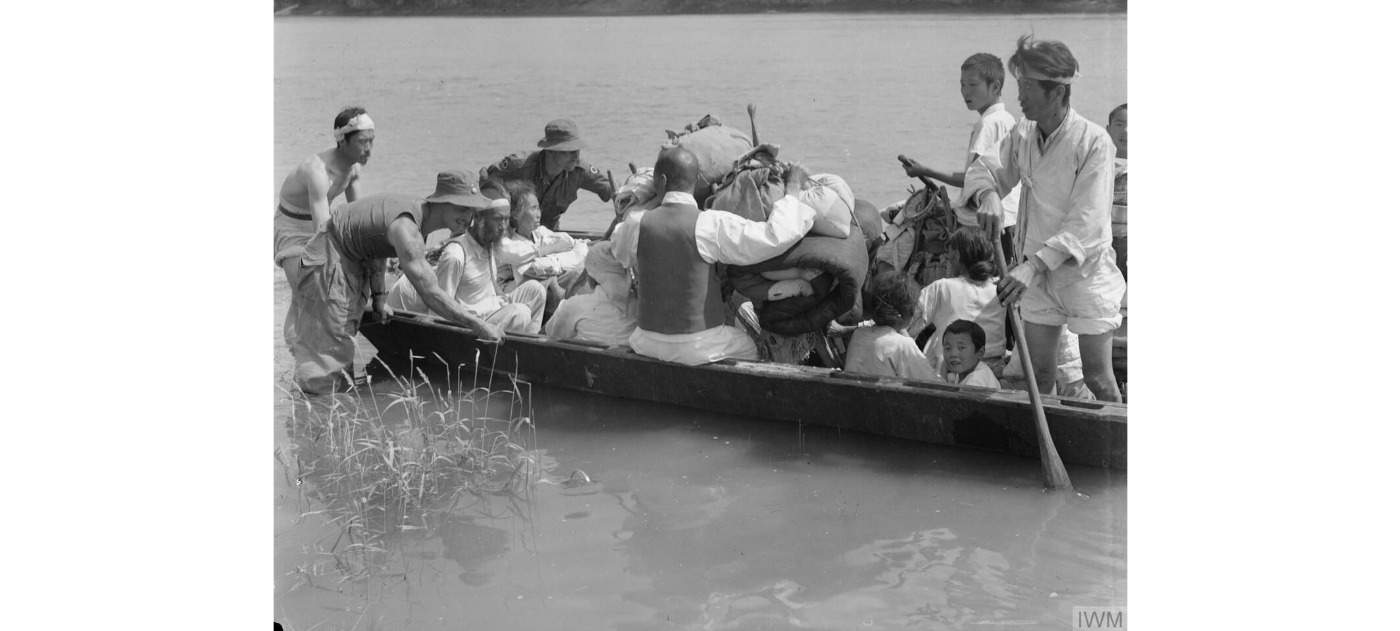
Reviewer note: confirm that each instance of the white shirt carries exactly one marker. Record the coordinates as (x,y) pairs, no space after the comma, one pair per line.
(982,376)
(1066,193)
(724,237)
(544,248)
(881,350)
(991,128)
(466,273)
(947,300)
(593,317)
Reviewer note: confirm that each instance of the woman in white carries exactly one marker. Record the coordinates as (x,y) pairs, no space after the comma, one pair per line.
(971,294)
(532,251)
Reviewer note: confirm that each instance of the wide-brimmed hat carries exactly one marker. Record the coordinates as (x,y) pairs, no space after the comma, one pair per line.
(453,187)
(561,135)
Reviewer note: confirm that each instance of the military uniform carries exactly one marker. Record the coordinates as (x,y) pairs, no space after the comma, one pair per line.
(555,194)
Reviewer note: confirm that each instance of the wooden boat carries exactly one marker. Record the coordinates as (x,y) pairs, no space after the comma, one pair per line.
(1085,432)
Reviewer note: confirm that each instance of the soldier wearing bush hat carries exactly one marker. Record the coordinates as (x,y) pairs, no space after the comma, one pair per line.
(555,169)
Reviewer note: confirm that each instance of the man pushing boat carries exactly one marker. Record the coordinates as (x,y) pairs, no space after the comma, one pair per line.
(345,262)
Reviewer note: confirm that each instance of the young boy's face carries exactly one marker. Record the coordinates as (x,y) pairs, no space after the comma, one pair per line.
(959,354)
(976,93)
(1118,131)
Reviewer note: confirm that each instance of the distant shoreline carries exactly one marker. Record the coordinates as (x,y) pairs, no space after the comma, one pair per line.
(618,8)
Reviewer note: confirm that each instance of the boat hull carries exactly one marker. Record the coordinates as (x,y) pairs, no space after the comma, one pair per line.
(1085,432)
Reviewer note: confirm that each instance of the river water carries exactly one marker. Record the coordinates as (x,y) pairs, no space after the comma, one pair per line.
(694,520)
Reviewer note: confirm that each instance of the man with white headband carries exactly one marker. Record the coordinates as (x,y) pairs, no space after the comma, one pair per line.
(467,271)
(1064,164)
(304,204)
(344,263)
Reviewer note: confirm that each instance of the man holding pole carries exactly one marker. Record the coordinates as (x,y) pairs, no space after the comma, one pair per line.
(1064,163)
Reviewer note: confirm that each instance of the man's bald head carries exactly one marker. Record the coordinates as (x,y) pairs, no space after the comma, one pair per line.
(677,169)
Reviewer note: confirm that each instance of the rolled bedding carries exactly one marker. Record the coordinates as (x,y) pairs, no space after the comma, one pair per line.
(843,262)
(842,256)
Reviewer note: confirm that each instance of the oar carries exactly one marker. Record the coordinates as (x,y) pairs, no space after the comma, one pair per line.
(753,128)
(1050,464)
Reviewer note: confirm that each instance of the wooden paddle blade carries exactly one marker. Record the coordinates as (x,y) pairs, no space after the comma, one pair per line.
(1050,464)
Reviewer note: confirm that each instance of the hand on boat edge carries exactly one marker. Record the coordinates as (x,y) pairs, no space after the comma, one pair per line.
(382,312)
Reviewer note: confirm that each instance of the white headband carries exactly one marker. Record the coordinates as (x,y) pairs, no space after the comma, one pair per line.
(1029,73)
(500,203)
(360,122)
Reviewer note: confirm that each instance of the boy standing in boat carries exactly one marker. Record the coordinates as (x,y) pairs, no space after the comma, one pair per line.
(555,169)
(680,315)
(980,83)
(344,264)
(1067,275)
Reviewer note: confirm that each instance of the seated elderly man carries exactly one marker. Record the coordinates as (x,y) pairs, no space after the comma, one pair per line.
(680,317)
(532,251)
(467,270)
(609,314)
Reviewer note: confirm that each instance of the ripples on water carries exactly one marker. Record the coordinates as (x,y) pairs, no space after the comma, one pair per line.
(696,520)
(715,522)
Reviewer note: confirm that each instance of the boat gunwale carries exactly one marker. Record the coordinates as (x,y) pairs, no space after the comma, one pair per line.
(1102,411)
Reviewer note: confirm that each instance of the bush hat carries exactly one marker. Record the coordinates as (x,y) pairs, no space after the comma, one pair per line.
(453,187)
(561,135)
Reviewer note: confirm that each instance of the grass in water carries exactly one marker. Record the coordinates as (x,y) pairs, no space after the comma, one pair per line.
(383,472)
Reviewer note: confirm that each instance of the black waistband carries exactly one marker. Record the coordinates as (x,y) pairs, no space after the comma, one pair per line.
(283,209)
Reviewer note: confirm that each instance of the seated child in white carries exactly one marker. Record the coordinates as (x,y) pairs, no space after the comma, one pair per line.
(886,349)
(963,342)
(971,294)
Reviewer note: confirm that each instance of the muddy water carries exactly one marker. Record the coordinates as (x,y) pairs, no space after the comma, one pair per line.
(705,521)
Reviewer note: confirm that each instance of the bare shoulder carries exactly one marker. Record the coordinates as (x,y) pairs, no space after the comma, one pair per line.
(313,169)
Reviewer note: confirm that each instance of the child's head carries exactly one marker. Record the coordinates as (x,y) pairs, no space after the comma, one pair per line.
(963,342)
(972,253)
(896,296)
(982,78)
(1118,129)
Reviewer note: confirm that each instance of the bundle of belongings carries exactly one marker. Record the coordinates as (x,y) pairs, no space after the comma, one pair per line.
(916,241)
(716,148)
(833,258)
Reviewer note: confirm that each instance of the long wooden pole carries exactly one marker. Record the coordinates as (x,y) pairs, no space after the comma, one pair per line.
(1050,464)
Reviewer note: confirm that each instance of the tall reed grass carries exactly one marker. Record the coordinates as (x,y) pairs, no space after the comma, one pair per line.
(389,466)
